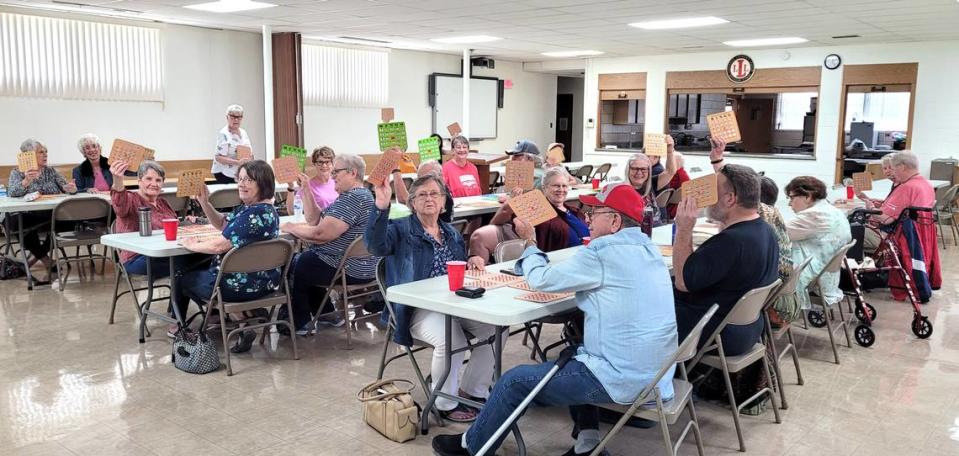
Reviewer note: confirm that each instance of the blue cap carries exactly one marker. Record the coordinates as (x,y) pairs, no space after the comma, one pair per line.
(524,147)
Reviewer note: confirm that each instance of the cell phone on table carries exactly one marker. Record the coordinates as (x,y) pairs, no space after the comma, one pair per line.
(471,293)
(511,271)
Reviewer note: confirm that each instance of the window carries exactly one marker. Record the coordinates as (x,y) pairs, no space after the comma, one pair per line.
(791,109)
(62,58)
(889,111)
(339,76)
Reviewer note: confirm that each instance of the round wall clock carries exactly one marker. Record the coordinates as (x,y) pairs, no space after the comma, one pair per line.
(832,61)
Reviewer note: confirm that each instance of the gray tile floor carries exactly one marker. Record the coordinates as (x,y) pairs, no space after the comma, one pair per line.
(72,384)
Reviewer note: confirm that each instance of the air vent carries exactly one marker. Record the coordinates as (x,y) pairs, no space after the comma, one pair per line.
(96,7)
(367,40)
(691,47)
(842,37)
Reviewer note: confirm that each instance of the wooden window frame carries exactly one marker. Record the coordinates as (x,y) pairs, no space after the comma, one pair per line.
(617,86)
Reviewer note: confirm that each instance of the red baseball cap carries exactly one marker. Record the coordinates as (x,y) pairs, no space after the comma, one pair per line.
(622,197)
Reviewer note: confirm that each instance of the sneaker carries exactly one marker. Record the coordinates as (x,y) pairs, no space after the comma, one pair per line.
(171,331)
(334,319)
(449,445)
(304,331)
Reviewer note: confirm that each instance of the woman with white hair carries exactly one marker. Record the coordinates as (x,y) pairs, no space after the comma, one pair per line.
(93,175)
(639,174)
(225,161)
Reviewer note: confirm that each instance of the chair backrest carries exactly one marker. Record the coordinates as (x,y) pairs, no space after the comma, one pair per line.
(834,264)
(408,181)
(663,197)
(789,286)
(258,256)
(381,284)
(583,172)
(676,197)
(83,208)
(948,200)
(225,198)
(493,178)
(459,225)
(509,250)
(177,203)
(748,308)
(602,170)
(686,350)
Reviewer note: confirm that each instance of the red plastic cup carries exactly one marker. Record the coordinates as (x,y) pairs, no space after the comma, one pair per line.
(455,271)
(850,192)
(595,183)
(169,228)
(586,240)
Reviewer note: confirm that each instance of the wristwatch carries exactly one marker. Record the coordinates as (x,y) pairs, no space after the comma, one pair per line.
(716,161)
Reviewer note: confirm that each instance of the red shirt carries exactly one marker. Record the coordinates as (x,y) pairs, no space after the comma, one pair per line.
(676,182)
(915,191)
(462,180)
(126,204)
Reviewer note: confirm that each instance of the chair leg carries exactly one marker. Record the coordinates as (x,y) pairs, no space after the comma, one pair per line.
(226,338)
(386,350)
(844,326)
(791,348)
(832,341)
(116,296)
(694,420)
(732,397)
(772,394)
(346,316)
(771,343)
(424,384)
(289,316)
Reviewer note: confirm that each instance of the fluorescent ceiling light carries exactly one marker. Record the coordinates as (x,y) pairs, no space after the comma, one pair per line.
(679,23)
(466,39)
(765,42)
(230,6)
(571,53)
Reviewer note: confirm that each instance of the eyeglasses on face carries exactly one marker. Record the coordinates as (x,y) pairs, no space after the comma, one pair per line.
(245,180)
(236,117)
(323,163)
(634,169)
(430,195)
(337,170)
(591,214)
(558,187)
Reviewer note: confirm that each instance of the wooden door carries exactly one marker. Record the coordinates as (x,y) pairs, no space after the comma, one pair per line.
(755,116)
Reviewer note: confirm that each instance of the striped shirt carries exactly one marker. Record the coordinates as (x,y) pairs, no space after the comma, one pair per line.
(352,207)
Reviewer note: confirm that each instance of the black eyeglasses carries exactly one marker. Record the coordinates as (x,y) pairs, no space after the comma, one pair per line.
(590,214)
(337,170)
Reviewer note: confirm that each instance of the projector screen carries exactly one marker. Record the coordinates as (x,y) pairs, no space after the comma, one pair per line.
(448,105)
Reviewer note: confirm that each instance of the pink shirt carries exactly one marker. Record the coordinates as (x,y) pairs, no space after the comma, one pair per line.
(126,204)
(916,191)
(99,182)
(323,194)
(462,180)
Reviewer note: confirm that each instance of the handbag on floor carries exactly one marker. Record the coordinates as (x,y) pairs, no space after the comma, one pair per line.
(389,408)
(194,352)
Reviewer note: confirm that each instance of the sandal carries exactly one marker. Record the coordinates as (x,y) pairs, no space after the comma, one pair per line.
(461,414)
(244,343)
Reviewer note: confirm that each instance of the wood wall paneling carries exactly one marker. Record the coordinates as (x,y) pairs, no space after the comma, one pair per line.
(764,77)
(622,95)
(622,81)
(287,92)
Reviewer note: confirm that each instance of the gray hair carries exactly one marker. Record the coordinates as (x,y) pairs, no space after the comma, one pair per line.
(554,172)
(234,109)
(435,168)
(648,186)
(353,162)
(147,165)
(627,221)
(30,144)
(886,160)
(744,183)
(422,181)
(88,138)
(905,158)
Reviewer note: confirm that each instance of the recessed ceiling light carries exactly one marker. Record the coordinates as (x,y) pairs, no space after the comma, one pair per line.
(679,23)
(466,39)
(230,6)
(571,53)
(765,42)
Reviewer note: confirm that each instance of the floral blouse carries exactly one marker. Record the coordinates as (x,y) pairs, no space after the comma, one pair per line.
(787,306)
(441,254)
(246,225)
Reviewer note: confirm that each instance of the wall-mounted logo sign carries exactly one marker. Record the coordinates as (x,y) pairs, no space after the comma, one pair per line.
(740,68)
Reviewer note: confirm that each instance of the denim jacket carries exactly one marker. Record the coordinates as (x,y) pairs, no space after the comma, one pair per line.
(408,253)
(623,286)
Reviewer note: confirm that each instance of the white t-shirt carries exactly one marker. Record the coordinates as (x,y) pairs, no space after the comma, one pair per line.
(226,143)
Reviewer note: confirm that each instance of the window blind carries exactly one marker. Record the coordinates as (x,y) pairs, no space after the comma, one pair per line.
(339,76)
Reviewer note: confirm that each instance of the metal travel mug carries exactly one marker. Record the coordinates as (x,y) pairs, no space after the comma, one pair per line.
(145,215)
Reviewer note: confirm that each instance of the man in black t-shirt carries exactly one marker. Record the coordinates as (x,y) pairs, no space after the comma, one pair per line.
(743,256)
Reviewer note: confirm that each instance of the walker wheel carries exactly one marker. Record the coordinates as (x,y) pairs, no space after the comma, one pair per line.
(816,319)
(862,315)
(864,336)
(921,327)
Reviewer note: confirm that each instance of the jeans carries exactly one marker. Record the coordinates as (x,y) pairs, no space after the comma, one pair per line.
(574,385)
(307,272)
(138,266)
(198,286)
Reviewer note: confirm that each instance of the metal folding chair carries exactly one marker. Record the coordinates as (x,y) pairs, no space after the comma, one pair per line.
(771,336)
(226,198)
(945,214)
(827,315)
(76,211)
(583,172)
(179,204)
(602,171)
(746,311)
(667,413)
(251,258)
(357,249)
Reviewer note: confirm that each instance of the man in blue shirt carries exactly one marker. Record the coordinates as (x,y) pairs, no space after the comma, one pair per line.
(623,287)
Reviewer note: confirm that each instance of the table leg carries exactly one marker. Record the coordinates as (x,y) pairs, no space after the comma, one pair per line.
(173,287)
(145,307)
(431,400)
